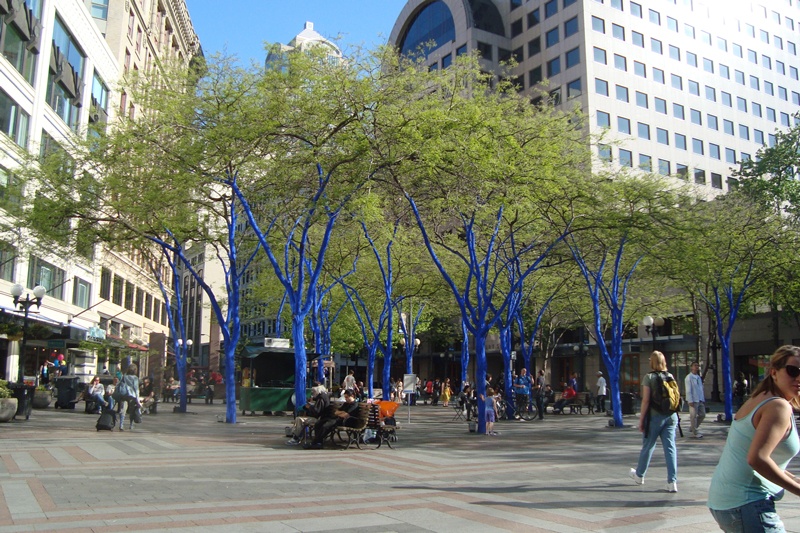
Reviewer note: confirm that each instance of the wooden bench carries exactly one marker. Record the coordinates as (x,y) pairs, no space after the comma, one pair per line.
(353,434)
(578,403)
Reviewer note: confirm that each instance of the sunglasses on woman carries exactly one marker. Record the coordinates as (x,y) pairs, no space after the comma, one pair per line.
(792,370)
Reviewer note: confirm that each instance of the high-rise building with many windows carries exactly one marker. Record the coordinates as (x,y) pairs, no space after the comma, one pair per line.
(686,87)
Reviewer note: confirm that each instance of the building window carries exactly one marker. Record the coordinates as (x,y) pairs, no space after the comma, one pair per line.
(660,105)
(756,108)
(737,50)
(641,99)
(617,4)
(623,125)
(658,76)
(724,71)
(571,27)
(49,276)
(604,152)
(726,99)
(622,93)
(727,126)
(572,57)
(105,284)
(516,28)
(711,122)
(708,65)
(639,69)
(674,52)
(754,83)
(603,119)
(131,23)
(680,141)
(758,136)
(637,39)
(600,55)
(663,167)
(713,151)
(672,24)
(700,176)
(655,17)
(696,117)
(598,24)
(744,132)
(716,180)
(534,76)
(601,86)
(533,18)
(677,111)
(485,50)
(620,62)
(148,304)
(550,8)
(81,290)
(65,76)
(768,88)
(643,131)
(574,88)
(691,59)
(447,60)
(130,291)
(694,88)
(534,46)
(553,67)
(677,81)
(100,9)
(682,171)
(618,32)
(741,104)
(551,37)
(645,163)
(662,136)
(635,9)
(14,121)
(625,158)
(697,146)
(8,261)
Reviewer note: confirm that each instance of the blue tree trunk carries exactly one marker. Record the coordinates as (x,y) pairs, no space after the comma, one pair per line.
(300,363)
(465,354)
(480,376)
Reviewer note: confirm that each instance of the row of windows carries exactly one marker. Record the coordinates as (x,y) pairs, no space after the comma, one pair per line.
(677,82)
(680,141)
(721,42)
(674,52)
(625,158)
(622,93)
(549,9)
(124,293)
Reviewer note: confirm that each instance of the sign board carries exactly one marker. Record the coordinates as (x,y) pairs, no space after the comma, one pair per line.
(96,334)
(58,343)
(409,383)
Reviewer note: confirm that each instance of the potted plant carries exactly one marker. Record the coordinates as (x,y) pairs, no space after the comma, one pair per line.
(41,397)
(8,405)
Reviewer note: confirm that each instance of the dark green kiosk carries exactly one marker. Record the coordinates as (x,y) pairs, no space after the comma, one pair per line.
(267,379)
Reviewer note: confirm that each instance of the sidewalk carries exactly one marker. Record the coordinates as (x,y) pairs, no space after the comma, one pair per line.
(189,472)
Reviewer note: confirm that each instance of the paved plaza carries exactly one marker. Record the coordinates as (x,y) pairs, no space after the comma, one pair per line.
(190,472)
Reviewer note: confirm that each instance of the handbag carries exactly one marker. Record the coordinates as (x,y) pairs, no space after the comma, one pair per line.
(137,415)
(122,391)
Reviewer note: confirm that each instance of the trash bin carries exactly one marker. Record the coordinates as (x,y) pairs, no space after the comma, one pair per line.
(67,391)
(24,395)
(626,401)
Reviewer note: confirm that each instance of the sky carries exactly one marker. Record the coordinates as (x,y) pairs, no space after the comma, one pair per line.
(240,27)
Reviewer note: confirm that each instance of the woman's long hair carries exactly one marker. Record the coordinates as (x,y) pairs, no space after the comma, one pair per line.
(776,362)
(658,363)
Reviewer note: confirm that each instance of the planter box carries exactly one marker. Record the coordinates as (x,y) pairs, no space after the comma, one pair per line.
(8,408)
(42,399)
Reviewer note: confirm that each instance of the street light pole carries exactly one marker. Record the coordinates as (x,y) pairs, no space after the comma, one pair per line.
(24,305)
(715,393)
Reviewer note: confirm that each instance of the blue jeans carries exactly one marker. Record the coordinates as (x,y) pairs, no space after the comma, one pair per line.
(759,516)
(662,426)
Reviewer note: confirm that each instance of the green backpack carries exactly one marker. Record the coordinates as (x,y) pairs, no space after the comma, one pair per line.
(665,397)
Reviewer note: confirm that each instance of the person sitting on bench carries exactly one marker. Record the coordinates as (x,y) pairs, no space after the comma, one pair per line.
(314,410)
(568,394)
(346,415)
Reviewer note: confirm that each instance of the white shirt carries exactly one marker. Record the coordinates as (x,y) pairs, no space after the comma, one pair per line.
(694,388)
(601,386)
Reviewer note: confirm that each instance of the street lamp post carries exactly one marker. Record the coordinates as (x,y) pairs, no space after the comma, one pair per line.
(715,393)
(24,305)
(651,326)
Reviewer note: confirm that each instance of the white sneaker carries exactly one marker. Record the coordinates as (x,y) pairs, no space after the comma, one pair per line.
(636,479)
(672,487)
(697,435)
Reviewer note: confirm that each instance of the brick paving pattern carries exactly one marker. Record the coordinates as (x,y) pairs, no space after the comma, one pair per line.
(189,472)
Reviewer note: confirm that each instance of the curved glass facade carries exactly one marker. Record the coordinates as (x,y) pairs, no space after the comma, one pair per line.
(434,23)
(486,17)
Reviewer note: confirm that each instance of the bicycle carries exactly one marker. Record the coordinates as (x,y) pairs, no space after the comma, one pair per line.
(524,408)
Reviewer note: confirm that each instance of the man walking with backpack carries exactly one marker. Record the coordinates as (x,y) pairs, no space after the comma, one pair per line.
(696,399)
(658,419)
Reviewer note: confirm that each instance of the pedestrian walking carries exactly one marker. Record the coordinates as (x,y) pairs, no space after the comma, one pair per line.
(763,438)
(696,399)
(655,424)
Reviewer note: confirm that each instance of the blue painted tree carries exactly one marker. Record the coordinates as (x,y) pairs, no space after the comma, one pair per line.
(321,322)
(476,299)
(300,270)
(608,294)
(233,270)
